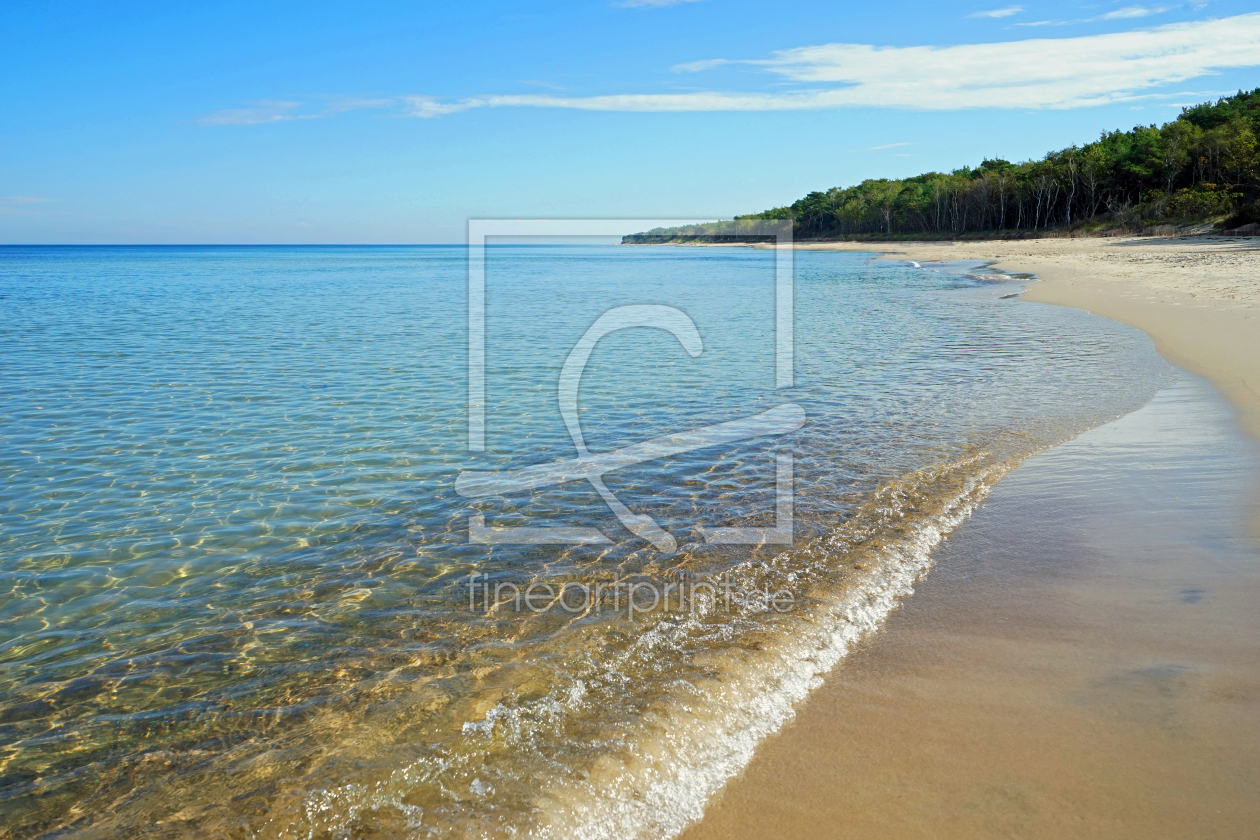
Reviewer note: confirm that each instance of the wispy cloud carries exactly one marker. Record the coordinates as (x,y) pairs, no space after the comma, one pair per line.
(702,65)
(1035,73)
(427,107)
(887,146)
(1129,12)
(1005,11)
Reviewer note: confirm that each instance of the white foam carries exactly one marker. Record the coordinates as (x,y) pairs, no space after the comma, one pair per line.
(667,787)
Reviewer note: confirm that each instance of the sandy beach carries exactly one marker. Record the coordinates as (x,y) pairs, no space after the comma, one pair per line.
(1082,661)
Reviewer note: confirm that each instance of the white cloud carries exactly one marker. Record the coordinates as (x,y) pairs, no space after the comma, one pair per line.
(1035,73)
(428,107)
(1133,12)
(888,146)
(1127,13)
(701,66)
(1006,11)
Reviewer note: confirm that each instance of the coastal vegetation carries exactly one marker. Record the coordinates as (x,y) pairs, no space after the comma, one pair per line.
(1203,167)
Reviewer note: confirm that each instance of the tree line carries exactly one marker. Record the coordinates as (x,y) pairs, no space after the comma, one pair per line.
(1201,167)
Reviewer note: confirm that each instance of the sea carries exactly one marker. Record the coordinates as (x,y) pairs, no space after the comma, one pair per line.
(312,542)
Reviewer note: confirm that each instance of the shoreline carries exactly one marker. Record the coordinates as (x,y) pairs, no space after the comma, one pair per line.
(1197,297)
(1081,663)
(954,723)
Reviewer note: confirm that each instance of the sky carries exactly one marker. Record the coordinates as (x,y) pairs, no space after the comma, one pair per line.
(392,122)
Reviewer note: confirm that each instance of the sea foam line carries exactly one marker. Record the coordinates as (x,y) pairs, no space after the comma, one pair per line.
(666,788)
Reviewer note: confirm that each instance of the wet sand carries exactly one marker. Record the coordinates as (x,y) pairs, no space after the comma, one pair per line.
(1083,662)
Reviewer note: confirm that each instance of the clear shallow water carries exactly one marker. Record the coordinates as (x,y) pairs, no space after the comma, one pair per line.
(233,586)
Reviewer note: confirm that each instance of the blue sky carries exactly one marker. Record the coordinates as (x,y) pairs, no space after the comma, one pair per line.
(396,122)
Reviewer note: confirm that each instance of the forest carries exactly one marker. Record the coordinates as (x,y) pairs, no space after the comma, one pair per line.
(1200,168)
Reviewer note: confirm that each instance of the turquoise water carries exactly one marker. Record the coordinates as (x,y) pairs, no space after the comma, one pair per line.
(234,579)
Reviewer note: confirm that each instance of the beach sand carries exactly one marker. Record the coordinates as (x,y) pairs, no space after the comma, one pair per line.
(1083,662)
(1085,659)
